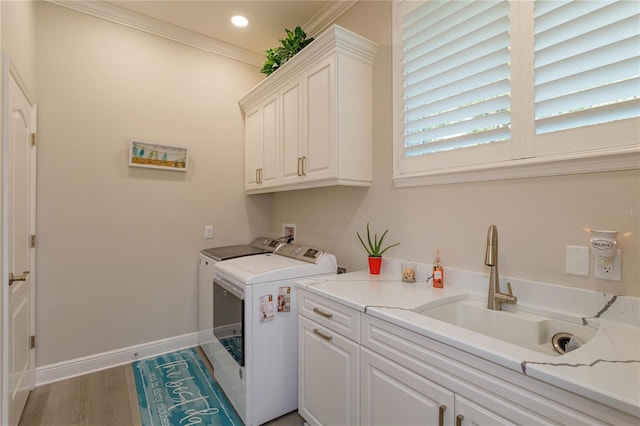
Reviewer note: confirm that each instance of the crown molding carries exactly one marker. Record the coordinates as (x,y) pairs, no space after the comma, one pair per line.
(143,23)
(322,20)
(315,26)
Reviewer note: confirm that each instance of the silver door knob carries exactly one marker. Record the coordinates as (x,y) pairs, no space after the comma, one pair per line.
(22,277)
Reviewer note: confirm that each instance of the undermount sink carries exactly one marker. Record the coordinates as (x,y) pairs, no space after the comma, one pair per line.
(516,327)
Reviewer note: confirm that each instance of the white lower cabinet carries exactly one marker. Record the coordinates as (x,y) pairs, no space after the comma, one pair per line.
(328,362)
(393,395)
(483,392)
(329,376)
(468,413)
(354,369)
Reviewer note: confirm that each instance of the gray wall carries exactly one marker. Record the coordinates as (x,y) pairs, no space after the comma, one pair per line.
(117,261)
(536,218)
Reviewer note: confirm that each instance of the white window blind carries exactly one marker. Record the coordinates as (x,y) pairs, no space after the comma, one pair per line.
(587,66)
(489,90)
(455,75)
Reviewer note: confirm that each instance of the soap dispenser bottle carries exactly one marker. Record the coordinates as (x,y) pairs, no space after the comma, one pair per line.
(438,271)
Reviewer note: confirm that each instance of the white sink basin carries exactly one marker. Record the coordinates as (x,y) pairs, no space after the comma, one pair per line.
(519,328)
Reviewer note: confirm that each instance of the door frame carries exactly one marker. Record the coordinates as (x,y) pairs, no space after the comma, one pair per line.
(9,69)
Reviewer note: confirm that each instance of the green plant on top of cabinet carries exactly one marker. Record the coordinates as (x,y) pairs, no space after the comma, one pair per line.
(320,131)
(294,42)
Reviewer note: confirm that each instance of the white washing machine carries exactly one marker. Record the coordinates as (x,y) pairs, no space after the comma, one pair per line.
(255,348)
(208,258)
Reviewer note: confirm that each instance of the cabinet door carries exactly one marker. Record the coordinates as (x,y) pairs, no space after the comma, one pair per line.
(320,137)
(292,133)
(393,395)
(261,127)
(468,414)
(328,376)
(269,174)
(254,147)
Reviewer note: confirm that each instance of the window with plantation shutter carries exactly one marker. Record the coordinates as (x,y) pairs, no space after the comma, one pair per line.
(587,69)
(456,75)
(487,90)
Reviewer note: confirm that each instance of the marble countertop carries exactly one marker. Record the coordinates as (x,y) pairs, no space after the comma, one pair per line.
(605,369)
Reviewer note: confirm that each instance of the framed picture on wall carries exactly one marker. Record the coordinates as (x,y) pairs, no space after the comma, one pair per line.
(150,155)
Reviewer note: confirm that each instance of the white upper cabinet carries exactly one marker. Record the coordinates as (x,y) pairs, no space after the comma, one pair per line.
(261,154)
(319,133)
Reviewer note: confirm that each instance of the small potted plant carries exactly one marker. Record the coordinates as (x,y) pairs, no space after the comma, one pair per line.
(374,250)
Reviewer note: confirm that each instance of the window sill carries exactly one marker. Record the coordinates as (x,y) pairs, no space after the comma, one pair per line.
(623,158)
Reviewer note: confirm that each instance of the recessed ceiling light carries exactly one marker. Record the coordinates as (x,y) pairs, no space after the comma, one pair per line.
(239,21)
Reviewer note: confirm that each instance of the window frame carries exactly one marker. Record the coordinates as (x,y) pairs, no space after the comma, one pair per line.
(582,150)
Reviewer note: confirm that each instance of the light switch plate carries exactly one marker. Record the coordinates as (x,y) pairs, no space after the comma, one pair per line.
(578,260)
(208,231)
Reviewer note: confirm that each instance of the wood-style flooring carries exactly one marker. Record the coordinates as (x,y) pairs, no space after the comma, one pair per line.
(104,398)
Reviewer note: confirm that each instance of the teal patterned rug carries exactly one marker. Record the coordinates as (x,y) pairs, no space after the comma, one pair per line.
(177,389)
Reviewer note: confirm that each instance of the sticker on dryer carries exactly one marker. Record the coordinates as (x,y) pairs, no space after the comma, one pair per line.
(266,308)
(284,299)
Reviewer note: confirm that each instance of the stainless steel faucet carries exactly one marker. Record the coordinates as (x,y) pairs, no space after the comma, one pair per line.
(495,298)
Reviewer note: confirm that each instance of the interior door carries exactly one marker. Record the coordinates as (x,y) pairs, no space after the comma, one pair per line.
(18,225)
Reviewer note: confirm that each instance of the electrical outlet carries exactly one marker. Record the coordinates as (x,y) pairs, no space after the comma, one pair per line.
(289,230)
(208,231)
(609,270)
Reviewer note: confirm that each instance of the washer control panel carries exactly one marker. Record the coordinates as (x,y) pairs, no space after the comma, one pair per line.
(300,252)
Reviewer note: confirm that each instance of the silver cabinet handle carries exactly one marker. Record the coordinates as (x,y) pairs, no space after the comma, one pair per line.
(13,278)
(459,419)
(321,334)
(441,411)
(257,175)
(304,166)
(299,166)
(322,313)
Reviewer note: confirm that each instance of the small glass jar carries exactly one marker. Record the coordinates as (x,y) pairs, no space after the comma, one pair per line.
(408,270)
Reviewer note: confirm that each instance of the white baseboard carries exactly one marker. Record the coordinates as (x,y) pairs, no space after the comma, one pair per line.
(89,364)
(205,336)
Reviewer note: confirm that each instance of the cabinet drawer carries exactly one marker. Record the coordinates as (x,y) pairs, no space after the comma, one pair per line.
(334,316)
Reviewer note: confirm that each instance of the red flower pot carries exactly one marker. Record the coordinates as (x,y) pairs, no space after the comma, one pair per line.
(374,265)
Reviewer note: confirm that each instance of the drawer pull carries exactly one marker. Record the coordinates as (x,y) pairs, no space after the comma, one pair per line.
(441,411)
(322,313)
(459,419)
(321,334)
